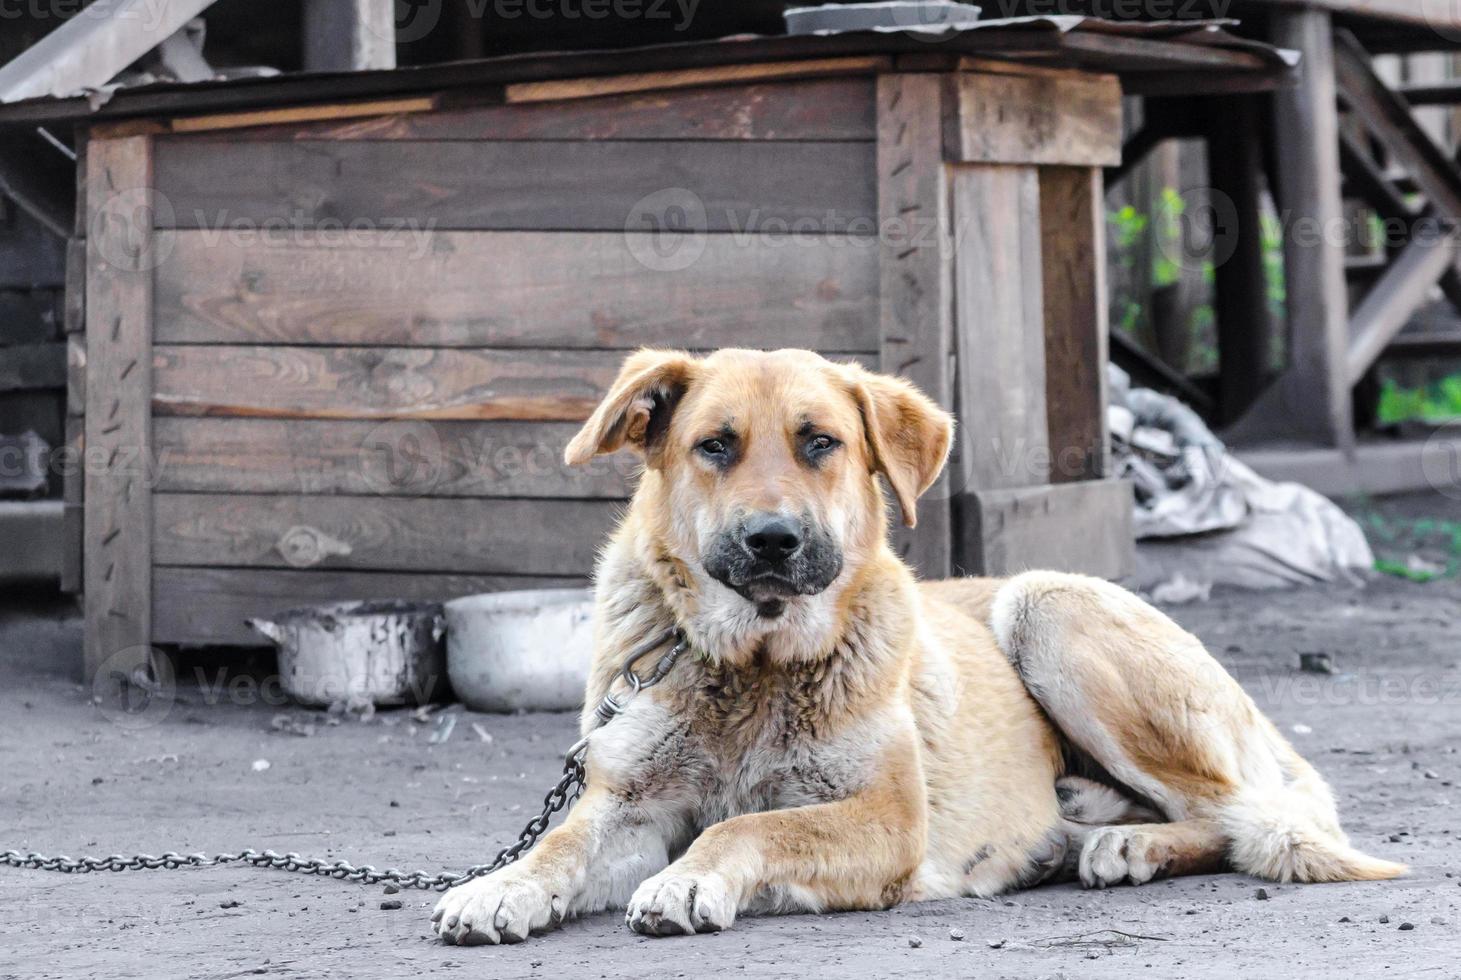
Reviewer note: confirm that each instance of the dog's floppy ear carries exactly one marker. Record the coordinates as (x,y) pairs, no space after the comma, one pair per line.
(908,435)
(637,407)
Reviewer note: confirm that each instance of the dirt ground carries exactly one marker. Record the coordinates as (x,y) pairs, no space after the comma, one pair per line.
(190,777)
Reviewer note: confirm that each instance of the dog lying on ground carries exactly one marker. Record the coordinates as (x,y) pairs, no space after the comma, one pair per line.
(842,737)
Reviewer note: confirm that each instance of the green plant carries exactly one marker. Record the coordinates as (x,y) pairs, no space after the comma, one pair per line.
(1437,402)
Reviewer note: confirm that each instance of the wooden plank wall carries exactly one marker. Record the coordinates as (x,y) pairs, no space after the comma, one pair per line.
(373,337)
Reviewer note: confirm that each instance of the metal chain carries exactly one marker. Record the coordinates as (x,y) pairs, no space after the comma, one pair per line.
(562,795)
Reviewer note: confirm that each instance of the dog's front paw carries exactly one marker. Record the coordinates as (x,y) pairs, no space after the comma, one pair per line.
(503,907)
(673,903)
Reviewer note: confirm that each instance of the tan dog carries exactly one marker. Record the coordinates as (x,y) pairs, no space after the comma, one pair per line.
(841,737)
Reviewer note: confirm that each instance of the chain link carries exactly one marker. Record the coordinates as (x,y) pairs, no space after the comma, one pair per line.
(561,796)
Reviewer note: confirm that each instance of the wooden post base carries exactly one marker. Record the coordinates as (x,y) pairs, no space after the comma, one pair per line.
(1071,527)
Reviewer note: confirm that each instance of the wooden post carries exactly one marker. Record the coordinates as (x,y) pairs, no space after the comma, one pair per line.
(1245,326)
(916,278)
(1073,237)
(999,328)
(349,35)
(118,520)
(1312,398)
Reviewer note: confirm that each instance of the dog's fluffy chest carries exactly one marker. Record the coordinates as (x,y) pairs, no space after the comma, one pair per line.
(734,741)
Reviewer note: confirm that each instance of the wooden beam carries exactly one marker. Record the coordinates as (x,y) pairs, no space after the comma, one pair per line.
(1080,527)
(428,534)
(999,337)
(398,458)
(1432,93)
(1390,119)
(89,50)
(516,289)
(1397,295)
(587,88)
(350,35)
(915,256)
(1045,119)
(749,187)
(297,115)
(1369,183)
(1073,246)
(1311,399)
(118,521)
(1150,371)
(1245,325)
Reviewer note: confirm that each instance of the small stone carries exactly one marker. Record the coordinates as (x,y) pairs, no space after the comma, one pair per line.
(914,942)
(1395,838)
(1316,663)
(391,889)
(1436,920)
(957,935)
(1345,918)
(390,904)
(1261,894)
(997,944)
(1384,920)
(1407,926)
(232,903)
(1431,774)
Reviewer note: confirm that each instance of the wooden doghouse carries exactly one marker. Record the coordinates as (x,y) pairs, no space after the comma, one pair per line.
(338,329)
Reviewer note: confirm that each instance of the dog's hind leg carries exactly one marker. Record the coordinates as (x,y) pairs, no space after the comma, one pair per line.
(1141,696)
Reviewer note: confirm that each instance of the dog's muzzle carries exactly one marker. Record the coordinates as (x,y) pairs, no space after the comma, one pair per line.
(770,557)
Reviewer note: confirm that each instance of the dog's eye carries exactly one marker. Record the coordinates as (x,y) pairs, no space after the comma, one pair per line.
(714,448)
(821,444)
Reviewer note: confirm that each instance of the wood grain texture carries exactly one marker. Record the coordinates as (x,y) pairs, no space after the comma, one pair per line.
(255,381)
(380,382)
(518,289)
(748,186)
(1071,527)
(398,458)
(1054,119)
(73,495)
(836,109)
(916,292)
(1072,233)
(506,537)
(208,606)
(1000,328)
(118,519)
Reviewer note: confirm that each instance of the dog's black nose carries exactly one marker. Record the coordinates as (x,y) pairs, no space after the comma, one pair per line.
(772,538)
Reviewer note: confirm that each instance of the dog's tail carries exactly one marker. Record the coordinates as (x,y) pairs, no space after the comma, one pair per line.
(1273,835)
